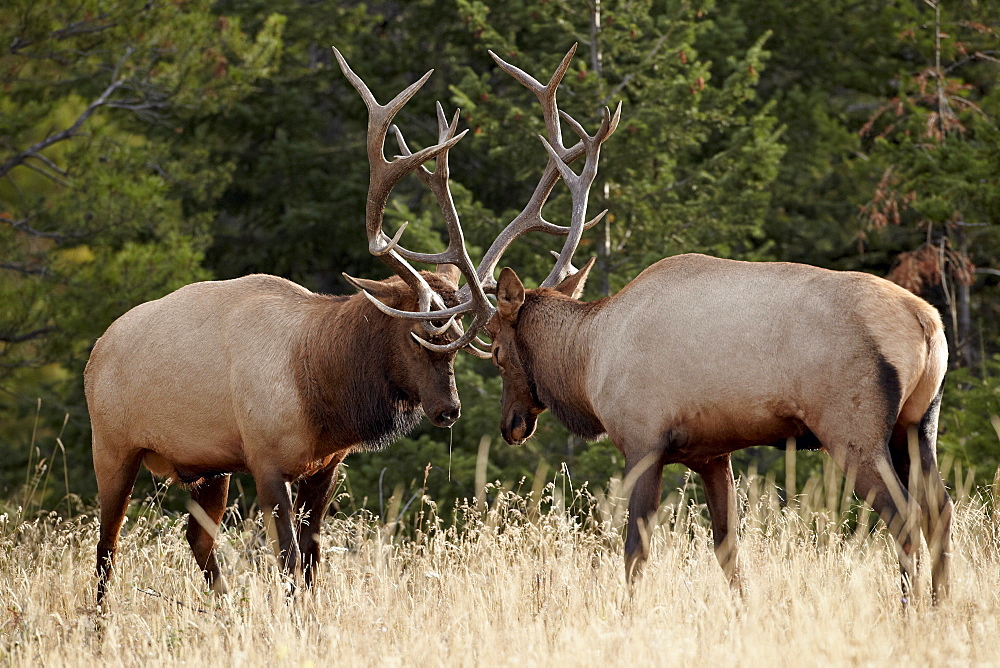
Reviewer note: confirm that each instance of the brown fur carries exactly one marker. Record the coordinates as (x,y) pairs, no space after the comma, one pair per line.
(698,357)
(346,390)
(255,374)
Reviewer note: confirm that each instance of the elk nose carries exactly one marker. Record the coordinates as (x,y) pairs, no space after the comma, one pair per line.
(517,431)
(448,416)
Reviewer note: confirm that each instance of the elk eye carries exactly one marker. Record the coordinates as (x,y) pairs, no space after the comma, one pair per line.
(496,356)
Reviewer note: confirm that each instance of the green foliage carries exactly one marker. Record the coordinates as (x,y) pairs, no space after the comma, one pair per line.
(691,162)
(970,418)
(177,141)
(297,194)
(107,186)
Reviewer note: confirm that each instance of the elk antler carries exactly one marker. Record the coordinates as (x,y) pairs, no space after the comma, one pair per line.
(383,175)
(530,219)
(479,281)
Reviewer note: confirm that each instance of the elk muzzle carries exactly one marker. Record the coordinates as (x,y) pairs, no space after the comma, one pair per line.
(518,428)
(446,415)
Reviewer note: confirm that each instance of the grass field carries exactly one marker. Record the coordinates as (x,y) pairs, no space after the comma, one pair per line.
(514,583)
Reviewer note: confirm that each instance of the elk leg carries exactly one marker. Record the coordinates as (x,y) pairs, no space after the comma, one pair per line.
(645,476)
(901,457)
(937,509)
(918,444)
(310,507)
(720,493)
(878,484)
(275,499)
(862,444)
(115,480)
(935,503)
(210,496)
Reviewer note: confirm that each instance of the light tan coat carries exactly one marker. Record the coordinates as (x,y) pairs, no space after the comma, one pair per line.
(256,374)
(699,356)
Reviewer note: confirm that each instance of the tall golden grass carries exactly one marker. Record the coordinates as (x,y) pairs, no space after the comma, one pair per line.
(511,582)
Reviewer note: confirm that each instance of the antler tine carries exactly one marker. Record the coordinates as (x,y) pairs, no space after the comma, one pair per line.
(546,94)
(579,187)
(475,351)
(479,321)
(479,348)
(441,314)
(437,183)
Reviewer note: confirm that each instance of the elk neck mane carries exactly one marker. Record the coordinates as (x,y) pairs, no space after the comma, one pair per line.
(554,346)
(342,367)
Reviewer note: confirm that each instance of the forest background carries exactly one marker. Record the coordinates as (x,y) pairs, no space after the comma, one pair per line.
(147,145)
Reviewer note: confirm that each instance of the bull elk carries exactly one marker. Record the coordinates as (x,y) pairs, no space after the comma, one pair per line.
(699,357)
(260,375)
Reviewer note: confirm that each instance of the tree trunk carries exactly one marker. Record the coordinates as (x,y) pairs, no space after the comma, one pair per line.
(604,245)
(965,346)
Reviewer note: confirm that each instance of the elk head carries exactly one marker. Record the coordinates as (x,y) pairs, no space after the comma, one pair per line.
(426,377)
(521,404)
(440,330)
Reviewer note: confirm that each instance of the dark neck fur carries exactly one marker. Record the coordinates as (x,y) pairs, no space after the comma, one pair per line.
(555,352)
(344,374)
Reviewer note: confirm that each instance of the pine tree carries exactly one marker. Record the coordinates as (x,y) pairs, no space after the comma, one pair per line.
(105,190)
(938,144)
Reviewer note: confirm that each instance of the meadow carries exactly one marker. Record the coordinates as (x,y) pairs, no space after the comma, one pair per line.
(526,577)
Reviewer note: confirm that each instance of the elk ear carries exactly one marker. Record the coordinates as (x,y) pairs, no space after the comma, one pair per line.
(449,271)
(510,294)
(385,293)
(572,285)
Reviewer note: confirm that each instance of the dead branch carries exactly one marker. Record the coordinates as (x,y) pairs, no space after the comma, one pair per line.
(22,226)
(33,151)
(10,337)
(72,29)
(24,268)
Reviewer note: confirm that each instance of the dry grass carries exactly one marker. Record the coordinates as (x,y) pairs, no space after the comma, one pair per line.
(511,586)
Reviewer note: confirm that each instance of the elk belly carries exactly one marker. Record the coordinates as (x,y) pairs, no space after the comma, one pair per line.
(188,473)
(159,466)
